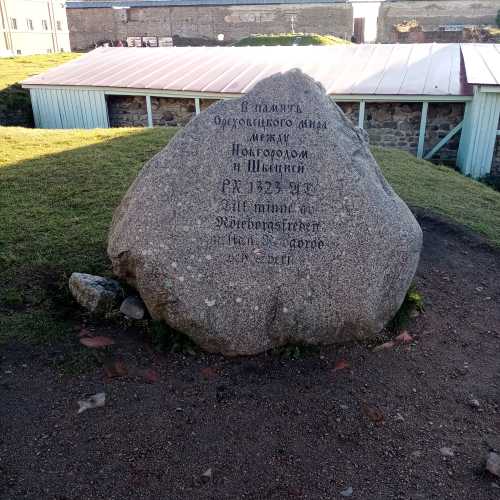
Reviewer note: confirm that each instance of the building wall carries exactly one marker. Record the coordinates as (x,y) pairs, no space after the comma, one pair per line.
(90,26)
(431,14)
(393,125)
(495,167)
(130,111)
(46,33)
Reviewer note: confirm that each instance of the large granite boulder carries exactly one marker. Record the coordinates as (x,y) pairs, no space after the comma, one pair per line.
(264,221)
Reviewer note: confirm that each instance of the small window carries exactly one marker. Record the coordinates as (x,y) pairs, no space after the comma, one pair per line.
(134,14)
(59,25)
(45,25)
(29,24)
(13,23)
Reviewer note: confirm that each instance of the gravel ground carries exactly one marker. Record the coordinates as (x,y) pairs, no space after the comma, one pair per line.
(415,421)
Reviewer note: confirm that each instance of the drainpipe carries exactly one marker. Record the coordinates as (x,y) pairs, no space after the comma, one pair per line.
(6,21)
(55,45)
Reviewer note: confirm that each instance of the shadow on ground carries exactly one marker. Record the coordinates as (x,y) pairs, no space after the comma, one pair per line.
(268,427)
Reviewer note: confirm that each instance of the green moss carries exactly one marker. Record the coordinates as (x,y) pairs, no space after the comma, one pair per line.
(290,39)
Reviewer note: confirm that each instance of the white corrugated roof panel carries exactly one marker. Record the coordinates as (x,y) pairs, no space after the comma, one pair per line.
(482,63)
(402,69)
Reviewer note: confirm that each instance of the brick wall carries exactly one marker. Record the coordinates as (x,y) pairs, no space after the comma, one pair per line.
(393,125)
(90,26)
(431,14)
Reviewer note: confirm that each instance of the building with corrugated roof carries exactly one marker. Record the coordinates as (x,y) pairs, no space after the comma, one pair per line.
(202,22)
(438,101)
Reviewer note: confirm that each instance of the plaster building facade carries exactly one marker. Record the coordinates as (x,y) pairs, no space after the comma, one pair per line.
(33,27)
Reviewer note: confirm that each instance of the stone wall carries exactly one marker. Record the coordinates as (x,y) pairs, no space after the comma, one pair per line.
(397,125)
(392,125)
(495,165)
(15,107)
(90,26)
(130,111)
(431,14)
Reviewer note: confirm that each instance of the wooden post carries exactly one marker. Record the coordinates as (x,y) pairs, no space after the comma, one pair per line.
(150,113)
(361,114)
(421,134)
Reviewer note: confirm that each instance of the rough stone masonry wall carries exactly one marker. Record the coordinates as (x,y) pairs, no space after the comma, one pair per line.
(431,14)
(392,125)
(495,165)
(90,26)
(131,111)
(397,125)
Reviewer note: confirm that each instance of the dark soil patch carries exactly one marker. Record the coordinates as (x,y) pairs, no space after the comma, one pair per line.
(270,427)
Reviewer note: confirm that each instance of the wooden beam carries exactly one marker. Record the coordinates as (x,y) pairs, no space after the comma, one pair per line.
(421,133)
(197,105)
(232,95)
(150,113)
(443,141)
(361,114)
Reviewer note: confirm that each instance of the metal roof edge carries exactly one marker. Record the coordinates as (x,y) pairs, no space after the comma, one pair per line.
(223,95)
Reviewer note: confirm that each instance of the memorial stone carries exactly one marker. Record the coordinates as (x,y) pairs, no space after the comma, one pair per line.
(266,220)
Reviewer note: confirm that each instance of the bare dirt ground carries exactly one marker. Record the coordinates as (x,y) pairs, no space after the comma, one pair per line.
(269,427)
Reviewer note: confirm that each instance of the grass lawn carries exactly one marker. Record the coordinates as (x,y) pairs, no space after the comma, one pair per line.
(58,190)
(290,39)
(16,69)
(14,100)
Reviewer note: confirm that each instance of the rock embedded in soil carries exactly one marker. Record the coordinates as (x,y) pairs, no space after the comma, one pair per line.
(266,220)
(96,294)
(133,307)
(493,463)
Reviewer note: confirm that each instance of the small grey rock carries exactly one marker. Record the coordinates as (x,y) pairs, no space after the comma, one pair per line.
(208,472)
(133,307)
(347,492)
(474,403)
(493,463)
(96,294)
(447,452)
(207,475)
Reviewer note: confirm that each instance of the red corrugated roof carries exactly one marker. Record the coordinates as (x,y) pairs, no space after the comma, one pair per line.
(406,69)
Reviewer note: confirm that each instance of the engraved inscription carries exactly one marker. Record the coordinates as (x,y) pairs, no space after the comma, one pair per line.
(268,213)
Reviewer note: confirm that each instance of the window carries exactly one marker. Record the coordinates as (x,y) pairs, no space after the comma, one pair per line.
(29,24)
(13,23)
(134,14)
(45,25)
(59,25)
